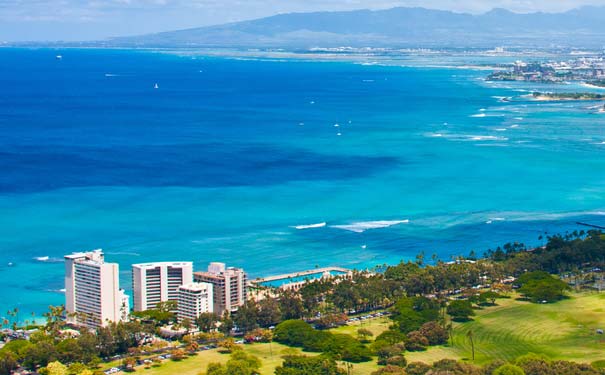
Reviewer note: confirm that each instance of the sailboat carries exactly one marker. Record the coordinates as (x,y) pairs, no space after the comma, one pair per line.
(156,86)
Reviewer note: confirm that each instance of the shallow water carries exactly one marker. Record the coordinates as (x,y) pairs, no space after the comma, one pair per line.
(227,157)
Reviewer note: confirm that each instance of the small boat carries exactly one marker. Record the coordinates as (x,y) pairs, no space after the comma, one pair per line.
(59,57)
(156,86)
(42,259)
(10,264)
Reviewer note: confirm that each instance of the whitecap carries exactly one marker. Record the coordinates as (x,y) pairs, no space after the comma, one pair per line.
(309,226)
(500,129)
(362,226)
(487,138)
(514,126)
(479,115)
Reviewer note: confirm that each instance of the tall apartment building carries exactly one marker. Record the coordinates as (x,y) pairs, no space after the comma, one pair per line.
(153,283)
(229,286)
(93,297)
(194,299)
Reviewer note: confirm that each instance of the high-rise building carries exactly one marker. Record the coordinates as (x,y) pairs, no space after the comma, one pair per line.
(153,283)
(194,299)
(229,286)
(93,296)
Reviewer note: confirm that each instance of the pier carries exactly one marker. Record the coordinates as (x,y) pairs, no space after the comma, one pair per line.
(292,279)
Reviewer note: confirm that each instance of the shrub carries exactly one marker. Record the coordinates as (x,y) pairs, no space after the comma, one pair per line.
(509,369)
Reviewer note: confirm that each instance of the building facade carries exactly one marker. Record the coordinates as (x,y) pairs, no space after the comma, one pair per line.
(93,297)
(153,283)
(194,299)
(229,286)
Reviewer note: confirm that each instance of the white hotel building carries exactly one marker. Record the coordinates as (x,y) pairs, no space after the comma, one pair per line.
(194,299)
(93,297)
(157,282)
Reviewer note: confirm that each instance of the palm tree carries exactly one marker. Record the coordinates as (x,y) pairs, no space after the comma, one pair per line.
(469,334)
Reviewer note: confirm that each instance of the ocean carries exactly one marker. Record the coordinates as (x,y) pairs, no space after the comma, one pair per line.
(275,165)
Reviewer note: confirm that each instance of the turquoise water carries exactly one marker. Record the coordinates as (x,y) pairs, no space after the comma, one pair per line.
(228,157)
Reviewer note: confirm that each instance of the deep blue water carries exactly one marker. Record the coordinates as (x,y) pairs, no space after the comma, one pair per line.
(228,156)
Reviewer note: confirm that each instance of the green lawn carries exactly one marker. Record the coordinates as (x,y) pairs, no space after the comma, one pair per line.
(376,326)
(563,330)
(269,354)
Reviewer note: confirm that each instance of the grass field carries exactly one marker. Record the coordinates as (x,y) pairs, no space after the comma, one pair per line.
(269,354)
(563,330)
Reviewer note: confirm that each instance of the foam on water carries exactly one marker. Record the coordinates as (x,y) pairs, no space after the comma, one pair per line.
(362,226)
(310,226)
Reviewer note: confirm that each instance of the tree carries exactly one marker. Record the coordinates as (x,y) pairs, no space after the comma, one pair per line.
(56,368)
(541,286)
(240,363)
(417,368)
(228,345)
(206,322)
(436,334)
(226,324)
(469,334)
(416,342)
(364,334)
(509,369)
(177,355)
(39,354)
(290,306)
(303,365)
(246,318)
(390,370)
(292,332)
(76,368)
(8,362)
(269,313)
(387,352)
(460,310)
(488,297)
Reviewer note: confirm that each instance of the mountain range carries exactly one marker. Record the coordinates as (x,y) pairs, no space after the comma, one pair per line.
(396,27)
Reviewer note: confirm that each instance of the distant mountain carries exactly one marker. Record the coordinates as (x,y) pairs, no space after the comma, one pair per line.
(402,27)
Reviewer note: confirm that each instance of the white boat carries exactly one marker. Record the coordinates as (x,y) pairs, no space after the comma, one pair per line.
(42,259)
(58,57)
(156,86)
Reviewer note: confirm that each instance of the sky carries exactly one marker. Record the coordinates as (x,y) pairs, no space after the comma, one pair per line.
(69,20)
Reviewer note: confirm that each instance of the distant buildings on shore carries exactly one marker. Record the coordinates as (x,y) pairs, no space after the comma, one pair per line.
(94,299)
(582,69)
